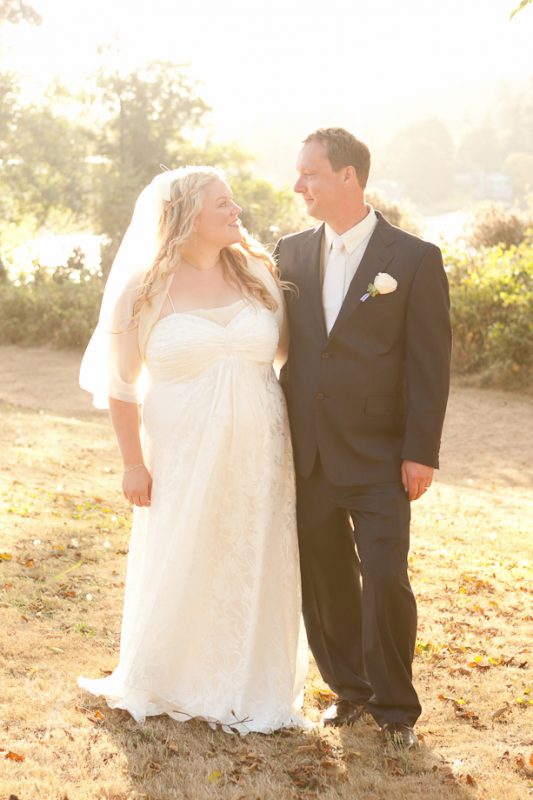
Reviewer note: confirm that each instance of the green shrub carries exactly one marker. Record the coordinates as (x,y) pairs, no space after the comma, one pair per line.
(491,293)
(494,225)
(400,214)
(492,313)
(58,312)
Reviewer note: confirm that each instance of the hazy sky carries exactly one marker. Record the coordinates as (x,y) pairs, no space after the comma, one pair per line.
(274,70)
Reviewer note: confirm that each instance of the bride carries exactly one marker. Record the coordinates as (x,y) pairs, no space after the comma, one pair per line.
(191,321)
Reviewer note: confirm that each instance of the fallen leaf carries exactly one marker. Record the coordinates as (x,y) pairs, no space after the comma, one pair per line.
(352,754)
(460,671)
(519,760)
(501,711)
(478,665)
(305,777)
(324,694)
(214,776)
(5,556)
(334,768)
(14,756)
(393,765)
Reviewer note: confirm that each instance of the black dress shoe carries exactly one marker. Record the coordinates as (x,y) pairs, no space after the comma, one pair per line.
(402,737)
(343,712)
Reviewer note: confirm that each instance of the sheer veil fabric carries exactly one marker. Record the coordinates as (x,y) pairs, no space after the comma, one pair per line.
(212,625)
(101,372)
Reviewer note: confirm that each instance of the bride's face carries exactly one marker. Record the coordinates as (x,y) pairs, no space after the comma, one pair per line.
(218,221)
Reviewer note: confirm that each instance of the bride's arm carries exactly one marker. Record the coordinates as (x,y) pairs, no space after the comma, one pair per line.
(136,481)
(124,410)
(261,271)
(283,344)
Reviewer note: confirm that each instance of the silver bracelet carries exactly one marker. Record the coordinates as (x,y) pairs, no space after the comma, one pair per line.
(130,469)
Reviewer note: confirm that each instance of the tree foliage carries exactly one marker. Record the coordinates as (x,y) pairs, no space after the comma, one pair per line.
(492,312)
(17,11)
(400,214)
(153,116)
(268,213)
(82,161)
(46,171)
(421,157)
(521,5)
(495,226)
(57,306)
(148,116)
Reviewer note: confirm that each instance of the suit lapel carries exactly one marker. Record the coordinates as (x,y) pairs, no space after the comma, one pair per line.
(378,254)
(310,259)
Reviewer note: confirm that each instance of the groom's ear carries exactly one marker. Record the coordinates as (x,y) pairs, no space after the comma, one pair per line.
(349,174)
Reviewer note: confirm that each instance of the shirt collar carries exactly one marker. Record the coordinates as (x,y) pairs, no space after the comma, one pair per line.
(353,237)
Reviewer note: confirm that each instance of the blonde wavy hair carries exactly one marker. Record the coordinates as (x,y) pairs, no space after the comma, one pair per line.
(176,227)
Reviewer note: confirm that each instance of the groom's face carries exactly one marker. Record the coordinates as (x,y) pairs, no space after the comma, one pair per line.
(320,186)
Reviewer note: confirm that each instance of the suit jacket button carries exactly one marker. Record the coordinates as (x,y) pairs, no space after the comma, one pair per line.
(324,355)
(320,396)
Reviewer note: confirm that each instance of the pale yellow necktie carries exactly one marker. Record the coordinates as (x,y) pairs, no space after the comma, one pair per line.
(334,281)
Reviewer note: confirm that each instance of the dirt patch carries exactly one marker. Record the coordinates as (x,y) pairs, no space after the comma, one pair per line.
(43,379)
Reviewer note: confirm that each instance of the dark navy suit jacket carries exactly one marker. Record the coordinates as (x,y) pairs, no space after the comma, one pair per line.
(375,390)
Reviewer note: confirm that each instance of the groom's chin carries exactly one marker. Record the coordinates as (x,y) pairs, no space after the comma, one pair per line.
(314,212)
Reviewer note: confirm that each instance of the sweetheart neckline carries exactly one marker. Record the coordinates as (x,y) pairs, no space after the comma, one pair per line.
(194,315)
(211,308)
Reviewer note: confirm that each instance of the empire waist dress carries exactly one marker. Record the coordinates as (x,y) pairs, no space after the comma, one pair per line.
(212,611)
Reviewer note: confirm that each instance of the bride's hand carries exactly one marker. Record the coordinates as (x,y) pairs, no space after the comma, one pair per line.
(137,486)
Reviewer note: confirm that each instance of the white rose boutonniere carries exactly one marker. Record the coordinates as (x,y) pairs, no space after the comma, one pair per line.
(383,284)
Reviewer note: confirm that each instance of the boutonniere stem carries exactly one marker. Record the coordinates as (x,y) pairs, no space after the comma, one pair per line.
(383,284)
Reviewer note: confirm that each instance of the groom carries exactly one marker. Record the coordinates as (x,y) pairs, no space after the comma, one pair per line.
(366,384)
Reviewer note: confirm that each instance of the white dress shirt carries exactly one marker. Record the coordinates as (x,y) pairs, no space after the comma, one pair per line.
(355,241)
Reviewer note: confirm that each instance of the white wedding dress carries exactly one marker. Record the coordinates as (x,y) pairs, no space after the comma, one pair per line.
(212,615)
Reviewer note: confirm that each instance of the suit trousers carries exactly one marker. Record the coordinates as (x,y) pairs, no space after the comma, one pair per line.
(358,605)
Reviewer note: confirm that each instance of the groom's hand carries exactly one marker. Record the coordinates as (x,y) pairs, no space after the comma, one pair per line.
(416,478)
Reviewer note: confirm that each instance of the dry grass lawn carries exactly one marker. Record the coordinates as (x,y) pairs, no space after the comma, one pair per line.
(63,541)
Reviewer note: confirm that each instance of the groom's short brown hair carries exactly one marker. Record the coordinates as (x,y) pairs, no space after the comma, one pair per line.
(344,150)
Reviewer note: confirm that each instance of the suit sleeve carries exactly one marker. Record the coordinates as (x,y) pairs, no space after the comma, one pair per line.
(280,362)
(427,360)
(276,253)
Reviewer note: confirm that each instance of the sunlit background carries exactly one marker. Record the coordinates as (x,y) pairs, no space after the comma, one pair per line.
(274,70)
(441,91)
